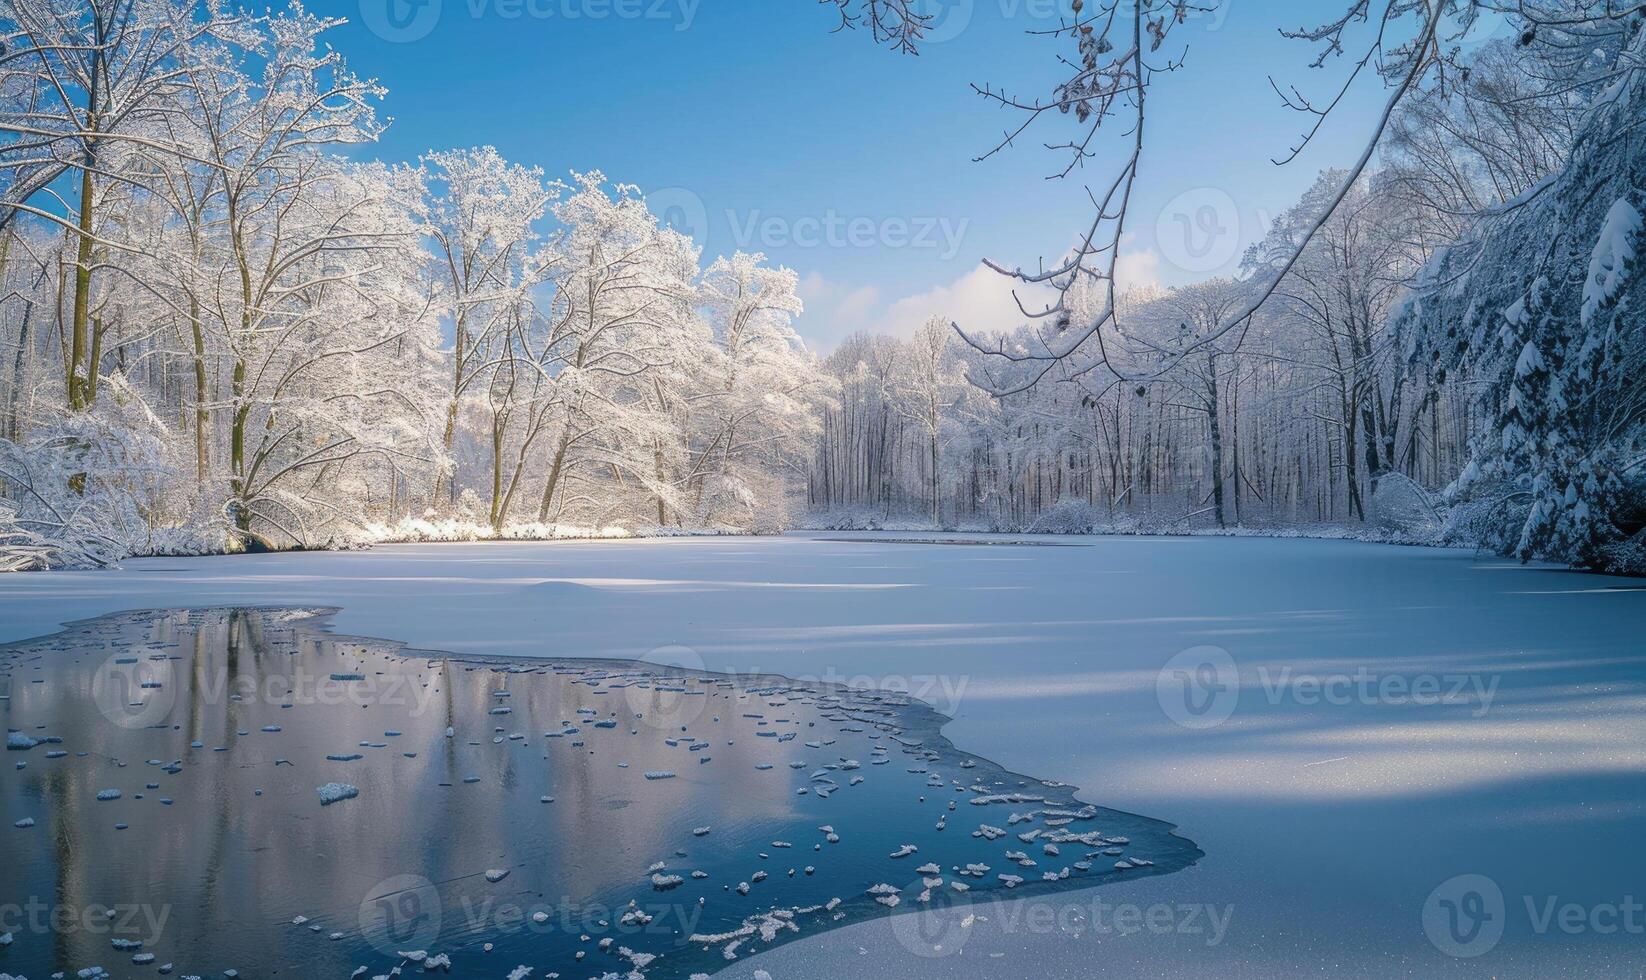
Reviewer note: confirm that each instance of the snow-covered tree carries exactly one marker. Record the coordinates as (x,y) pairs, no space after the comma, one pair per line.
(482,215)
(621,309)
(88,84)
(755,416)
(1541,301)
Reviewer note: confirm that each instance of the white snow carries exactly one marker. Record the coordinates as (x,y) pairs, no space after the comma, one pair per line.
(1048,659)
(1614,253)
(887,895)
(336,792)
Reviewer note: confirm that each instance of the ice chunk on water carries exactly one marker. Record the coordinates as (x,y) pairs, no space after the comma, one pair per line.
(336,792)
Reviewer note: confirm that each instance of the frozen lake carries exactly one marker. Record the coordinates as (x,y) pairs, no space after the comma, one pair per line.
(567,815)
(1343,728)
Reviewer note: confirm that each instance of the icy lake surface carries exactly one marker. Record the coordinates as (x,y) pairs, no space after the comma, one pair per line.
(1337,812)
(248,792)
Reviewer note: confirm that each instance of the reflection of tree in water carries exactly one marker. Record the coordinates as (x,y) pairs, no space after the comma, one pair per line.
(233,868)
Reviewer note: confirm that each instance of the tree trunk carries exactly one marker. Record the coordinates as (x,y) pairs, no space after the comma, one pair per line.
(554,474)
(202,418)
(79,397)
(237,449)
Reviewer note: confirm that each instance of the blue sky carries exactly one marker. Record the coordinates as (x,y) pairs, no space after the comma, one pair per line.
(757,128)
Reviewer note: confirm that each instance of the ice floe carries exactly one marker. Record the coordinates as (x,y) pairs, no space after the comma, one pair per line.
(336,793)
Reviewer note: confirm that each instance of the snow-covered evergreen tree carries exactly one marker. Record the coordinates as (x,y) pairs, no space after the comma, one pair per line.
(1542,300)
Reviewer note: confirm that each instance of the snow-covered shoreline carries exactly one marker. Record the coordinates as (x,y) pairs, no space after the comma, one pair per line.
(466,532)
(1163,529)
(409,531)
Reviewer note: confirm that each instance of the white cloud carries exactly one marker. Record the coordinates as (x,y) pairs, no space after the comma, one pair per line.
(857,304)
(1134,270)
(833,310)
(980,301)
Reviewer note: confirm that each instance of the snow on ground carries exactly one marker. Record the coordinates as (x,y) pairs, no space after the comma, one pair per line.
(1395,717)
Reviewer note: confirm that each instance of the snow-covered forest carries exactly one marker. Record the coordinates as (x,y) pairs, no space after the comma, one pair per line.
(226,326)
(221,331)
